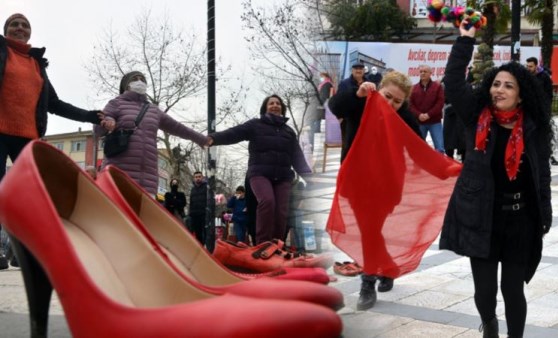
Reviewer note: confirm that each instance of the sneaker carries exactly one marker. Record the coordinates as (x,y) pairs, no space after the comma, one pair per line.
(386,284)
(367,298)
(3,263)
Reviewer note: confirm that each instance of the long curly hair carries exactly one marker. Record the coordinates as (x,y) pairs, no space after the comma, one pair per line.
(533,100)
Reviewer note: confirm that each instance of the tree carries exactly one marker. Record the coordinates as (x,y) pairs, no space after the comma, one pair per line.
(374,20)
(542,13)
(282,40)
(175,68)
(285,44)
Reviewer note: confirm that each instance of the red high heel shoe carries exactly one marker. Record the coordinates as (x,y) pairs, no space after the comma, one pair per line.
(110,281)
(190,259)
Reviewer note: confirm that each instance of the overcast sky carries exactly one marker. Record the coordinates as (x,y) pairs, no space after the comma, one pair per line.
(69,29)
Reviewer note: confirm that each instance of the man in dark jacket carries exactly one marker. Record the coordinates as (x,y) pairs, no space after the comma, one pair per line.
(546,82)
(198,204)
(349,116)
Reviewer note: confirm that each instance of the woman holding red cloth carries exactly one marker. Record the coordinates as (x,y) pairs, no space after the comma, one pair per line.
(395,88)
(500,208)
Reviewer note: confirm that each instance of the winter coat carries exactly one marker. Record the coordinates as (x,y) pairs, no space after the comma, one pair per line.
(429,101)
(48,100)
(140,160)
(468,221)
(273,147)
(238,206)
(454,131)
(198,199)
(175,201)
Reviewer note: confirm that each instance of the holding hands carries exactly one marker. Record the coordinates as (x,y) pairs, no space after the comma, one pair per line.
(108,123)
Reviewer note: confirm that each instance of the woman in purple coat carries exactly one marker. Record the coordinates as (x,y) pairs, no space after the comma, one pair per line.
(273,150)
(141,158)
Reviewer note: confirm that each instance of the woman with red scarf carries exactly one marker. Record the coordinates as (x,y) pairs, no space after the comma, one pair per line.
(500,207)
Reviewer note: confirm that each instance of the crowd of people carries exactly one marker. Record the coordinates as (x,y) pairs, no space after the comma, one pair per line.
(501,130)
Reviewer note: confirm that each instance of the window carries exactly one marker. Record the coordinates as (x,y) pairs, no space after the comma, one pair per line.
(78,146)
(163,187)
(59,145)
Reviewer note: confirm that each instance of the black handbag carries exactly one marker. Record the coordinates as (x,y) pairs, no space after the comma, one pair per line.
(117,141)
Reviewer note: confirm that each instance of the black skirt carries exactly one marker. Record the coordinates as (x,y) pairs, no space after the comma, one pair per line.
(513,234)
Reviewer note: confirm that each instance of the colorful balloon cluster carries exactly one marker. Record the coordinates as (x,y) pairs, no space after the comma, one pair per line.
(438,11)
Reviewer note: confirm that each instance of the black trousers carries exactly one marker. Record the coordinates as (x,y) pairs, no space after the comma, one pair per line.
(197,223)
(485,277)
(10,146)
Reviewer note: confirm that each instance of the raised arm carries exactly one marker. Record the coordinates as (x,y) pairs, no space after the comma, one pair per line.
(458,92)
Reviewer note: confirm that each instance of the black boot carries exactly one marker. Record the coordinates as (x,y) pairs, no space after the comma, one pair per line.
(3,262)
(490,329)
(11,257)
(367,297)
(386,284)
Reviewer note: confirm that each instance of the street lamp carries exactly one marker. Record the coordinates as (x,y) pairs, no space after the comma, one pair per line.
(515,30)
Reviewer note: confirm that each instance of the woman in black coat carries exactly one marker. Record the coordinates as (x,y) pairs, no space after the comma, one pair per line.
(500,207)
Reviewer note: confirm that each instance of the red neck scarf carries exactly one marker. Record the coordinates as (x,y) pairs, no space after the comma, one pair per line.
(515,145)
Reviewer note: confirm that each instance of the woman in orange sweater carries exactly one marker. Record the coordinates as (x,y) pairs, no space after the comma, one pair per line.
(26,94)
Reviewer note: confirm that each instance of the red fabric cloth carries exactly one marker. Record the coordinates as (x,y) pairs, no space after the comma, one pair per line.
(515,145)
(391,196)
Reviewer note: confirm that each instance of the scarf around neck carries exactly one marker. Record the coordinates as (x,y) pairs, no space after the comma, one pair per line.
(514,147)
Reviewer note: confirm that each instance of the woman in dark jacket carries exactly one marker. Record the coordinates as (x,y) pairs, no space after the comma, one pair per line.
(500,208)
(273,149)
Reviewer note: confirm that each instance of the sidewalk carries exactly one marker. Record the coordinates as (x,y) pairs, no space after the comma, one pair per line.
(434,301)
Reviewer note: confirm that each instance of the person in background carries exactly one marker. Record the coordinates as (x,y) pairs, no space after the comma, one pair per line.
(140,159)
(26,95)
(273,150)
(325,90)
(426,103)
(500,208)
(544,79)
(375,76)
(542,76)
(349,116)
(326,87)
(175,201)
(198,204)
(237,204)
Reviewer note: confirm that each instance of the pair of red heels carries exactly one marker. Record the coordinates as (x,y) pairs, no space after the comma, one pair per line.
(268,256)
(123,267)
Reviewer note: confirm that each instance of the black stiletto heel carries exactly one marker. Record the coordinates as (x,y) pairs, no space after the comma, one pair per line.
(37,287)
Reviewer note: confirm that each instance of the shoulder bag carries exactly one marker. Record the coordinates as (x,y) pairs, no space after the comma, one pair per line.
(117,141)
